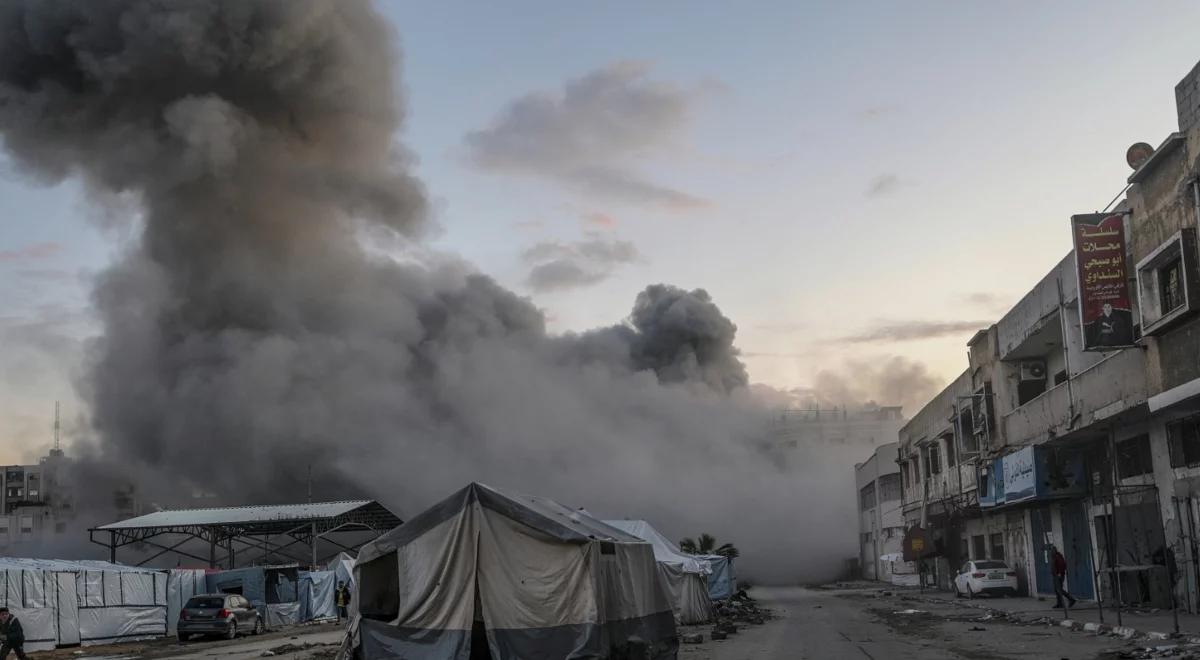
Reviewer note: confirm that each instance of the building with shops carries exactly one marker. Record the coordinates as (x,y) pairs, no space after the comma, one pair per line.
(880,523)
(1047,439)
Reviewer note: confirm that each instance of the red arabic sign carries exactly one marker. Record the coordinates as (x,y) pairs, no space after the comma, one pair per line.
(1104,308)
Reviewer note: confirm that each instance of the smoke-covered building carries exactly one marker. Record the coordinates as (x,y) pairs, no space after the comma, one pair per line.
(34,503)
(880,521)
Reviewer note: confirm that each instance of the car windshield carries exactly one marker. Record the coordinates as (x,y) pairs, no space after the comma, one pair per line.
(985,565)
(206,603)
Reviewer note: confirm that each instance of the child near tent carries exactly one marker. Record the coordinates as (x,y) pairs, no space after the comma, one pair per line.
(343,601)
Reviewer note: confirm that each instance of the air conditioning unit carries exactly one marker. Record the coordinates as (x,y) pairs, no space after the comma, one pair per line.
(1033,370)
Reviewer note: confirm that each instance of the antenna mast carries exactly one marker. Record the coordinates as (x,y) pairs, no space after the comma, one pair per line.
(57,447)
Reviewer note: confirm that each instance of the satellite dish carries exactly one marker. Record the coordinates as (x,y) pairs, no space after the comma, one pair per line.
(1137,154)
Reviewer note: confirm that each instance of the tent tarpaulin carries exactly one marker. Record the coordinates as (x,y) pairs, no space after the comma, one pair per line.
(83,602)
(317,595)
(524,575)
(722,581)
(265,587)
(182,584)
(684,576)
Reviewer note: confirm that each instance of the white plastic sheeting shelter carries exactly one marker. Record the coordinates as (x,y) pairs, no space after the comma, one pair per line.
(83,602)
(524,575)
(684,576)
(182,584)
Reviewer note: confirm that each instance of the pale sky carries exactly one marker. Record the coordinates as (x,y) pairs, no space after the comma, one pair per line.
(869,170)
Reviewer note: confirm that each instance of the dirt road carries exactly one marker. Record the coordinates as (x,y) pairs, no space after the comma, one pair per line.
(309,642)
(820,624)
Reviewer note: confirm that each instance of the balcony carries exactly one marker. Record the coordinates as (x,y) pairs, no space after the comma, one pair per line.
(1111,386)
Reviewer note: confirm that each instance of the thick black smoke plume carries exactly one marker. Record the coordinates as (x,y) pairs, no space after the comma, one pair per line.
(249,338)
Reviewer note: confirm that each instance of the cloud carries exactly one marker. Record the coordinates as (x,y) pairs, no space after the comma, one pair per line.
(914,330)
(599,220)
(994,302)
(557,266)
(878,111)
(32,252)
(529,224)
(883,184)
(589,135)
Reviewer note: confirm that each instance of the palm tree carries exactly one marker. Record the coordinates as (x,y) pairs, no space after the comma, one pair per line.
(707,545)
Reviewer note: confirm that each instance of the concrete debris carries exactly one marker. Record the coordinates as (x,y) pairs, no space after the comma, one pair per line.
(693,638)
(719,635)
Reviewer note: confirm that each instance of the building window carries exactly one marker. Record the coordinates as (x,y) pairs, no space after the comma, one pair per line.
(1183,442)
(866,497)
(26,524)
(889,487)
(1170,286)
(1133,457)
(865,538)
(933,460)
(997,546)
(963,548)
(1167,280)
(980,547)
(950,453)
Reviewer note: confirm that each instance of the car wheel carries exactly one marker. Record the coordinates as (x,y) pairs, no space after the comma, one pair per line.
(231,631)
(970,592)
(258,626)
(957,593)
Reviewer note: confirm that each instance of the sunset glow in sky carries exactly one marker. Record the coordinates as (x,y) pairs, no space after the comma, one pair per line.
(855,185)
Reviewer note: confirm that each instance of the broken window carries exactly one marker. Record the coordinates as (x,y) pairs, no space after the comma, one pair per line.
(866,497)
(935,460)
(1133,457)
(1183,441)
(1170,286)
(997,541)
(980,547)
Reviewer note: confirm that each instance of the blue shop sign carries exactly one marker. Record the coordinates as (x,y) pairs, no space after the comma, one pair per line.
(1032,473)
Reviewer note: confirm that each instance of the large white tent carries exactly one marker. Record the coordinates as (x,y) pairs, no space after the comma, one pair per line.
(684,576)
(83,602)
(520,576)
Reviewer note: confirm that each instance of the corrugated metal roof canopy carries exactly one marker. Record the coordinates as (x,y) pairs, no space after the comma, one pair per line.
(243,515)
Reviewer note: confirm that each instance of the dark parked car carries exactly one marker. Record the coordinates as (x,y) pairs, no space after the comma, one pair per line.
(225,615)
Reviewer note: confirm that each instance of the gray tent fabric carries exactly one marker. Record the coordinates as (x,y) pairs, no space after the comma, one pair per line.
(271,589)
(525,575)
(685,577)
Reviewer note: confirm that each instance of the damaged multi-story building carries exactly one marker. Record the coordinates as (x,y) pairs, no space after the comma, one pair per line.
(1064,430)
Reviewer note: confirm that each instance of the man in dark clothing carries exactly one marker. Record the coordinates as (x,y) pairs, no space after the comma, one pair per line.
(12,637)
(1058,566)
(342,594)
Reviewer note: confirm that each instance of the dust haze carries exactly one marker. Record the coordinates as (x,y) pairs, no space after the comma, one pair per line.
(249,335)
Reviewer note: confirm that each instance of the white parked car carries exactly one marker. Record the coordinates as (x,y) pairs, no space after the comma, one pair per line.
(985,576)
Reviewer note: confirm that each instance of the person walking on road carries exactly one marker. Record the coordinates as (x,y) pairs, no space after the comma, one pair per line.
(1058,566)
(12,636)
(342,596)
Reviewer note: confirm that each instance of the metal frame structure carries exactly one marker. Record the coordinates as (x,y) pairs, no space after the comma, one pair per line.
(227,535)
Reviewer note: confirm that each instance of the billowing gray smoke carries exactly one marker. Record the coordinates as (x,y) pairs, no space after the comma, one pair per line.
(249,337)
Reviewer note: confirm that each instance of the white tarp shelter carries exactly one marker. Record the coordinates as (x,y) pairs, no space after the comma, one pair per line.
(83,602)
(523,577)
(684,576)
(317,595)
(182,584)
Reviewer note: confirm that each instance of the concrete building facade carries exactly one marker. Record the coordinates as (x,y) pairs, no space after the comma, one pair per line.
(1096,453)
(880,520)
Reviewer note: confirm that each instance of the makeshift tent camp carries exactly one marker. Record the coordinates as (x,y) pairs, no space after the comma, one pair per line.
(182,584)
(684,577)
(271,589)
(317,595)
(83,602)
(722,581)
(521,576)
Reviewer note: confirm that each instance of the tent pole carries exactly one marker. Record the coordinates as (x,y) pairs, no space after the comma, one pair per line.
(314,546)
(112,547)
